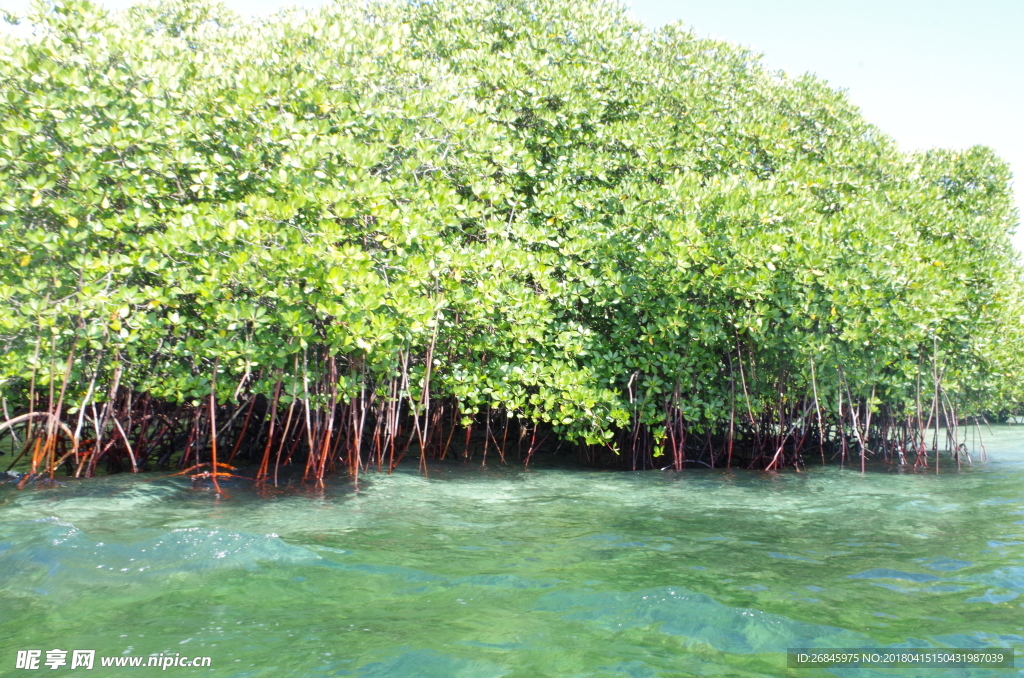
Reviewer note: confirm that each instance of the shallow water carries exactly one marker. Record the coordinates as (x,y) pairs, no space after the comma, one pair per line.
(481,573)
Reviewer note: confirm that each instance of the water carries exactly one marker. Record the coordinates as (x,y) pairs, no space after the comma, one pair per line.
(504,572)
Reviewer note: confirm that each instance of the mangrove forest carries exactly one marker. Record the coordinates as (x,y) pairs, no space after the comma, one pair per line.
(330,241)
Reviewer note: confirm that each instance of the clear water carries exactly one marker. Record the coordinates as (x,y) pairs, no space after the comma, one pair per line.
(480,573)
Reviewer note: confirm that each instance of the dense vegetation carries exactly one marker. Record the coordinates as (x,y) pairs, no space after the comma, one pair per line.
(336,238)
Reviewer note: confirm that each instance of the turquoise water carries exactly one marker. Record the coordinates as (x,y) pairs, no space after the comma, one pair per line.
(481,573)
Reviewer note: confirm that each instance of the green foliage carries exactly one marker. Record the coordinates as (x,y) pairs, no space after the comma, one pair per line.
(565,216)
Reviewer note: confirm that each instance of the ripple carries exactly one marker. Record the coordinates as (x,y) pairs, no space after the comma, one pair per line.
(946,564)
(887,573)
(62,548)
(428,664)
(993,596)
(680,612)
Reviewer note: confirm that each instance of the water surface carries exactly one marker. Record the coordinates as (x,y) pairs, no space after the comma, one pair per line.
(481,573)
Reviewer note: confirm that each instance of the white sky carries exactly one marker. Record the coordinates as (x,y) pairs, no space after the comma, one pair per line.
(944,73)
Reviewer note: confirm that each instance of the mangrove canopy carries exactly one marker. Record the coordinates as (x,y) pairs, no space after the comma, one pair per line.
(333,238)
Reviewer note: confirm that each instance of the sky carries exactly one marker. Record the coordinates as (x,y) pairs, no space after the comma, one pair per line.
(943,73)
(930,73)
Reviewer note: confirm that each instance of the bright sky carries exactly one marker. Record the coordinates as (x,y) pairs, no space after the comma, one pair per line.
(930,73)
(945,73)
